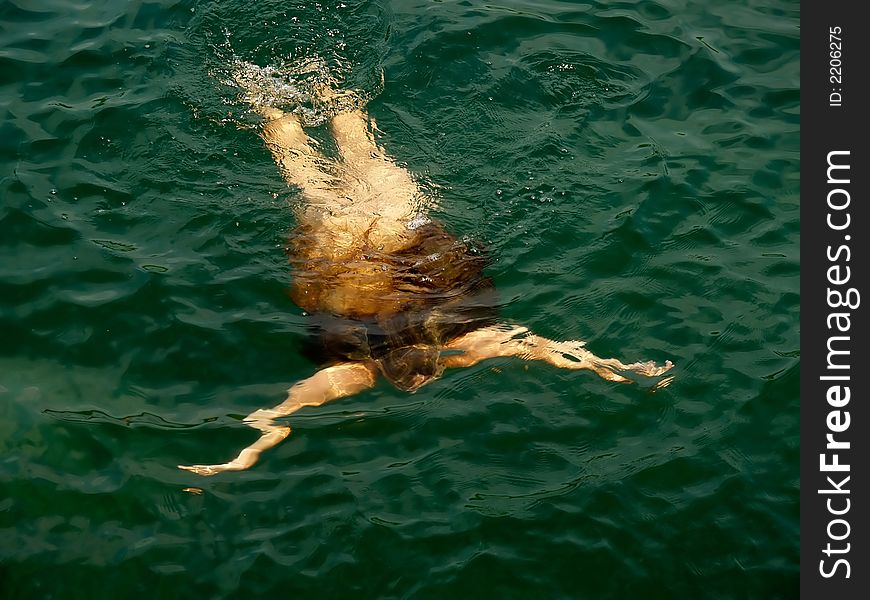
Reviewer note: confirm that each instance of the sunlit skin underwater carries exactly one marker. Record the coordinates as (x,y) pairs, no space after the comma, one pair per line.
(390,284)
(205,203)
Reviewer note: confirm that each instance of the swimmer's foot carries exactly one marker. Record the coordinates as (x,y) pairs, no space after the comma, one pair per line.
(329,100)
(306,88)
(265,89)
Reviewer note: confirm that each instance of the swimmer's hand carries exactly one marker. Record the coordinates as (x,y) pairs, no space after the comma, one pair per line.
(497,341)
(337,381)
(246,458)
(573,355)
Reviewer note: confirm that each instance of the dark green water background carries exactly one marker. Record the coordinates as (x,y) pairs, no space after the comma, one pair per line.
(633,168)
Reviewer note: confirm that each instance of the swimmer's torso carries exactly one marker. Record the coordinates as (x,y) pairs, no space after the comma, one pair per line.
(371,269)
(380,281)
(367,301)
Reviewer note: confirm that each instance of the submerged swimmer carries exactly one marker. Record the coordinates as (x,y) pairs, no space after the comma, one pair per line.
(389,291)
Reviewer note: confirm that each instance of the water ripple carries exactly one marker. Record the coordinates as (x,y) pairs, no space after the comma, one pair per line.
(633,169)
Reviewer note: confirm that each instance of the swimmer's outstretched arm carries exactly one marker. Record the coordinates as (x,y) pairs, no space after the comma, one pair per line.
(331,383)
(492,342)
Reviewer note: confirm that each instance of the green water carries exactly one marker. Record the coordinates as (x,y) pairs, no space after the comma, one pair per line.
(633,169)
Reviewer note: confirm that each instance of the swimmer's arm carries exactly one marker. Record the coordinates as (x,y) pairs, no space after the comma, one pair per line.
(493,342)
(331,383)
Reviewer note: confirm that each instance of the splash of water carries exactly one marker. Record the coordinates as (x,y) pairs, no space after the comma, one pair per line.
(305,85)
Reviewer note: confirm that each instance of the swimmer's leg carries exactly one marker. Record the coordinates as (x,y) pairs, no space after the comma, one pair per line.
(493,342)
(368,164)
(297,156)
(294,151)
(354,133)
(331,383)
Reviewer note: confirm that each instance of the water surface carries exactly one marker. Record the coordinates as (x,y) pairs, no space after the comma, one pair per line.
(632,168)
